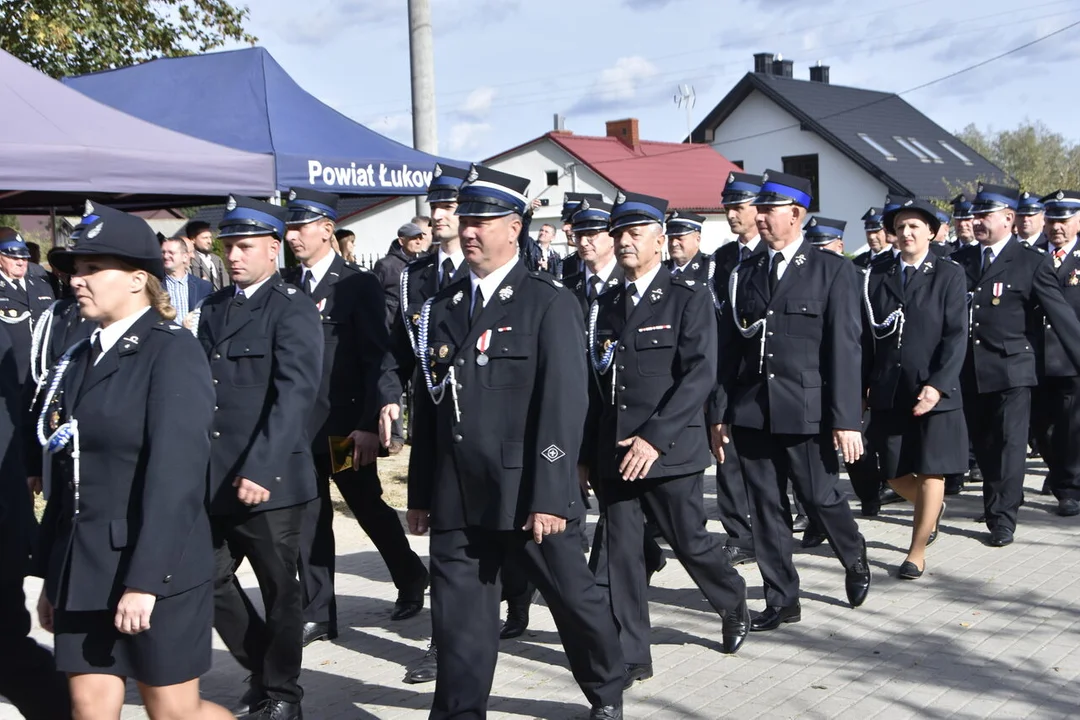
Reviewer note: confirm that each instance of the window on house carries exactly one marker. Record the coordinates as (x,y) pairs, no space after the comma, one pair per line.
(933,155)
(955,152)
(877,146)
(552,177)
(805,166)
(911,149)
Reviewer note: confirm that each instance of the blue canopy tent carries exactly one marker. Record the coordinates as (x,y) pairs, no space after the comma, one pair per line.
(243,99)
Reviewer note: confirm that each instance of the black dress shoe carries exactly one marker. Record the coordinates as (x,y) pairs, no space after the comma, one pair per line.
(636,673)
(800,523)
(736,627)
(425,670)
(975,475)
(813,537)
(857,579)
(315,631)
(909,571)
(410,601)
(887,496)
(517,622)
(1000,537)
(276,710)
(871,509)
(738,555)
(954,484)
(606,712)
(934,533)
(1068,507)
(250,700)
(774,616)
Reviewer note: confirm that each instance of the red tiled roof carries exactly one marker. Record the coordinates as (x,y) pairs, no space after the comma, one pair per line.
(687,176)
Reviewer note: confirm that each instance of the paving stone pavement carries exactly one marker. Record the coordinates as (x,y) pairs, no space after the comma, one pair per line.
(987,632)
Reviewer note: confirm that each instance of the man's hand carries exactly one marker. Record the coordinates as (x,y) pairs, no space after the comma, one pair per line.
(542,524)
(928,400)
(133,611)
(250,493)
(45,612)
(418,521)
(365,447)
(718,438)
(387,417)
(33,484)
(638,460)
(533,204)
(583,478)
(849,443)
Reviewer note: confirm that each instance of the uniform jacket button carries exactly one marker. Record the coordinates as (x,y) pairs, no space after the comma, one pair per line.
(217,356)
(215,434)
(621,368)
(215,408)
(622,407)
(671,445)
(167,579)
(215,381)
(622,388)
(622,348)
(459,362)
(458,438)
(655,341)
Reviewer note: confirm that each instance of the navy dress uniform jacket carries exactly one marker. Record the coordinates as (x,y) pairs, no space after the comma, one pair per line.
(1054,360)
(809,380)
(13,304)
(513,451)
(144,414)
(724,261)
(266,363)
(1005,336)
(577,285)
(354,341)
(697,269)
(664,369)
(931,349)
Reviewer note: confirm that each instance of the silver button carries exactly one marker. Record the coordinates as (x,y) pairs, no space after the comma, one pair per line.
(215,434)
(770,312)
(622,348)
(770,333)
(458,438)
(217,356)
(622,407)
(976,342)
(655,342)
(772,375)
(459,362)
(215,381)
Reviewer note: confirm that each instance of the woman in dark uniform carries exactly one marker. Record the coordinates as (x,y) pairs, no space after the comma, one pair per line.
(125,545)
(915,339)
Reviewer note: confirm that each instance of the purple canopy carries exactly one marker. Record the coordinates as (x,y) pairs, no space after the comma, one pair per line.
(58,147)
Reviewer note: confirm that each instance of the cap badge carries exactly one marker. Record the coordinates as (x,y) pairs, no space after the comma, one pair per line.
(813,222)
(231,204)
(438,171)
(473,175)
(674,214)
(908,203)
(89,208)
(1060,195)
(584,205)
(292,195)
(620,198)
(765,178)
(731,177)
(95,231)
(506,293)
(980,188)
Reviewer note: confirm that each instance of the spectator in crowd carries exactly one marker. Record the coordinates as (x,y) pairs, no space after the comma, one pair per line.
(549,260)
(410,245)
(424,223)
(185,290)
(35,269)
(22,297)
(346,244)
(205,264)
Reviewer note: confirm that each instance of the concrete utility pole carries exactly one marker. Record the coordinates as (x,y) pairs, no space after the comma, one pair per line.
(422,62)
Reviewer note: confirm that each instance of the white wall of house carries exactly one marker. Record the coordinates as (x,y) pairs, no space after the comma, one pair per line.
(845,190)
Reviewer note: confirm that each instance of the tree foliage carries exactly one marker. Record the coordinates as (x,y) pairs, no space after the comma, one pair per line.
(1040,159)
(72,37)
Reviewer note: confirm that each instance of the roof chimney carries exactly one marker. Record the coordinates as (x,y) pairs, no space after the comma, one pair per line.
(560,126)
(763,63)
(626,131)
(782,67)
(820,73)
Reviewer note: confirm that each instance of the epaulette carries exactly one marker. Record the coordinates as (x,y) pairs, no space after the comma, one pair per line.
(286,289)
(1032,247)
(547,278)
(354,267)
(168,326)
(679,281)
(834,252)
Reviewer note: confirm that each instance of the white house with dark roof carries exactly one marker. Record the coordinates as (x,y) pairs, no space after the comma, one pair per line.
(854,145)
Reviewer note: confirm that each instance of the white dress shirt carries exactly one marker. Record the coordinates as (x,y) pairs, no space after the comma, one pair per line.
(457,258)
(317,271)
(789,253)
(997,248)
(251,289)
(491,283)
(642,283)
(111,335)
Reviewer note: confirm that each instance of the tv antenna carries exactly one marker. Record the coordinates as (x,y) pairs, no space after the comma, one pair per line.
(686,98)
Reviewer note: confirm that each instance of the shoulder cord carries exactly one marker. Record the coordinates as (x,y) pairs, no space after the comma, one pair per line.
(40,337)
(66,434)
(436,390)
(403,307)
(893,323)
(601,364)
(758,326)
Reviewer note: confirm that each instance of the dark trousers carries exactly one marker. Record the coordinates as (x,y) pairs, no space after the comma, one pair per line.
(362,492)
(731,501)
(865,473)
(811,463)
(28,676)
(998,424)
(1058,432)
(270,650)
(466,579)
(676,507)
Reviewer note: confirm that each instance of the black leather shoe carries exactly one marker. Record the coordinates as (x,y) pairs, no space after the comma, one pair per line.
(1000,537)
(909,571)
(250,700)
(410,601)
(736,627)
(954,484)
(800,523)
(424,671)
(871,509)
(316,631)
(934,533)
(774,616)
(813,537)
(517,622)
(650,571)
(636,673)
(975,475)
(887,496)
(738,555)
(857,579)
(606,712)
(276,710)
(1068,507)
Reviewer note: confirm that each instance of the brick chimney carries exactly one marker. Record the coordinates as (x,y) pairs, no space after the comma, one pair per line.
(626,131)
(820,73)
(763,63)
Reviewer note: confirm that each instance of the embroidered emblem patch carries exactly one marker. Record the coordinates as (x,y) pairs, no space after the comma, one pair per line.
(553,453)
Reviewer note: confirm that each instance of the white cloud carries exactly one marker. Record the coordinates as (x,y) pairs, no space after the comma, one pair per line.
(397,126)
(478,104)
(466,136)
(620,85)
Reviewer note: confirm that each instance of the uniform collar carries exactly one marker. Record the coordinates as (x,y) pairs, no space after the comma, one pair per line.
(904,264)
(751,244)
(788,252)
(318,270)
(643,283)
(491,283)
(998,246)
(457,258)
(111,335)
(604,274)
(250,290)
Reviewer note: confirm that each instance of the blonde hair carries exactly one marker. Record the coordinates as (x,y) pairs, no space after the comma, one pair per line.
(159,298)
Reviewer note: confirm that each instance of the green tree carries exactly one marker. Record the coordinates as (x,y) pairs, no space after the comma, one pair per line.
(72,37)
(1040,159)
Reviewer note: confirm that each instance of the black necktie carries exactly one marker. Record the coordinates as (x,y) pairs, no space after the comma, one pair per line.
(774,273)
(308,283)
(237,301)
(909,272)
(447,273)
(594,287)
(676,272)
(988,258)
(631,291)
(95,347)
(744,252)
(477,307)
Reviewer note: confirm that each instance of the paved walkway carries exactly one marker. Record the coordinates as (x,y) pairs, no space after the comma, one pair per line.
(985,633)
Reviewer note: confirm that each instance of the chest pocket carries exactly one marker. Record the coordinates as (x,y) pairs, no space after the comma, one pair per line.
(509,361)
(247,356)
(803,317)
(655,351)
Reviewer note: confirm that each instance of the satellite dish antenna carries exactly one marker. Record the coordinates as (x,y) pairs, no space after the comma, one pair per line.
(685,97)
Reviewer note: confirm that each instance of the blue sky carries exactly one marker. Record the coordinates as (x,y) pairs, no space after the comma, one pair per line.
(504,67)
